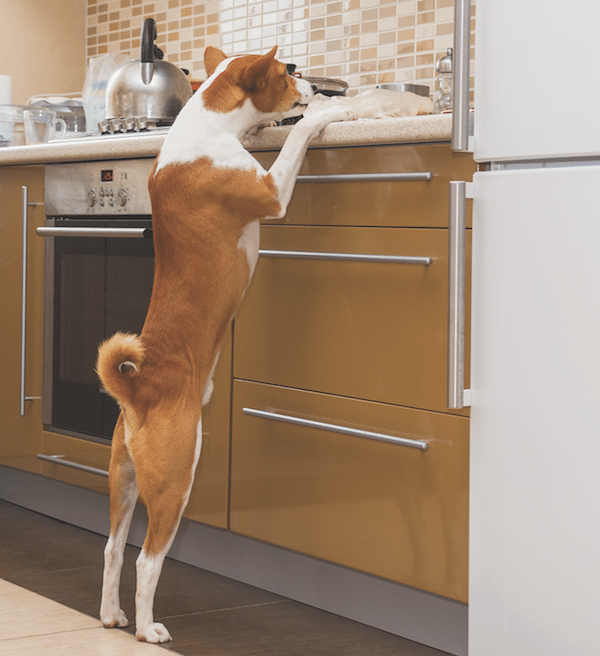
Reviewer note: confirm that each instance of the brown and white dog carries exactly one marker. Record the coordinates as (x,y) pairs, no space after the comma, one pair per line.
(208,195)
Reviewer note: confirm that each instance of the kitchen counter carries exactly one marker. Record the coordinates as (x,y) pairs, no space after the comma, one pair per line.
(362,132)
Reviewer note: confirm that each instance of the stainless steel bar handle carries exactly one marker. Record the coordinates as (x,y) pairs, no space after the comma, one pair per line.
(456,294)
(336,428)
(59,460)
(139,233)
(22,397)
(346,257)
(461,76)
(368,177)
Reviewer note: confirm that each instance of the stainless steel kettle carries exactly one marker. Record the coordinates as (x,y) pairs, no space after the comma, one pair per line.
(150,86)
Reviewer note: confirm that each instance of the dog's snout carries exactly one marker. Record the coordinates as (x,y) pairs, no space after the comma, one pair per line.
(314,88)
(306,91)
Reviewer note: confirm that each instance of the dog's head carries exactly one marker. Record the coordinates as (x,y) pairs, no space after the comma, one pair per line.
(259,79)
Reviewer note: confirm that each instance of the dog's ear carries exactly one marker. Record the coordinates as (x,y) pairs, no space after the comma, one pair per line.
(212,58)
(254,76)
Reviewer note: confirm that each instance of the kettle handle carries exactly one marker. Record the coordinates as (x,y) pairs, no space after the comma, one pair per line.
(149,51)
(147,41)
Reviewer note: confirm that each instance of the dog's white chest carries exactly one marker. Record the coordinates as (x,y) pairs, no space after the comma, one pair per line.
(199,133)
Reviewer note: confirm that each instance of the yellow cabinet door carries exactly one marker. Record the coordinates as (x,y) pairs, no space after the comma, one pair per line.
(345,200)
(375,331)
(20,435)
(384,508)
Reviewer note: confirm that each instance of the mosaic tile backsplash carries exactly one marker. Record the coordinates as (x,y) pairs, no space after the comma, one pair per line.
(364,42)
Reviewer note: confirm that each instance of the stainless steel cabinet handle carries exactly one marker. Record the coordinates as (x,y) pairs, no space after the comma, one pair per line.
(458,397)
(346,257)
(22,397)
(139,233)
(59,460)
(368,177)
(460,90)
(335,428)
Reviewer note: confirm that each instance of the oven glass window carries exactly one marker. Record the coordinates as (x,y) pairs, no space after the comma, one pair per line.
(101,286)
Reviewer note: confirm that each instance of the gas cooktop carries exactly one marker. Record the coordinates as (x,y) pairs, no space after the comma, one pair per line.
(149,132)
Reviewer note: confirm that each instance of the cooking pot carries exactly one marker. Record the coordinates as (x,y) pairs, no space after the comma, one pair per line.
(323,85)
(327,86)
(419,89)
(150,86)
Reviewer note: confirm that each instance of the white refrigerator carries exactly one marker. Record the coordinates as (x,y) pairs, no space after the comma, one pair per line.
(534,577)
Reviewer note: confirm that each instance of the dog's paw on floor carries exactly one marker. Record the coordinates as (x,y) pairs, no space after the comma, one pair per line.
(118,620)
(155,632)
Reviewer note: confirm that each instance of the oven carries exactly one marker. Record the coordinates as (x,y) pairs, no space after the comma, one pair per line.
(99,266)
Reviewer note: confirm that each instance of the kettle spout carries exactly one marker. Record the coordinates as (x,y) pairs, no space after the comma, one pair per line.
(147,71)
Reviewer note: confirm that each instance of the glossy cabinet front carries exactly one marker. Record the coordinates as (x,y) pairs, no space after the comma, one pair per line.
(368,202)
(390,510)
(66,451)
(375,331)
(20,435)
(328,334)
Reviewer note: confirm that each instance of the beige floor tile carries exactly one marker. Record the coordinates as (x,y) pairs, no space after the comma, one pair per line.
(91,642)
(24,613)
(33,625)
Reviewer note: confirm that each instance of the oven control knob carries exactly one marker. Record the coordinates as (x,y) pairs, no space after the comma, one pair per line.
(91,198)
(122,197)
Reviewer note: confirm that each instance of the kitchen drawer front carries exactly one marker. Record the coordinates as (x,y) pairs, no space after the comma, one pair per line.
(390,510)
(408,203)
(79,452)
(374,331)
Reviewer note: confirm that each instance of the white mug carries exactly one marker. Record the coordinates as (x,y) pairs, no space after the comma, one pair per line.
(42,125)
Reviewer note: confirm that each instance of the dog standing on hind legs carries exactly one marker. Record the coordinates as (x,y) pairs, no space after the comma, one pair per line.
(208,196)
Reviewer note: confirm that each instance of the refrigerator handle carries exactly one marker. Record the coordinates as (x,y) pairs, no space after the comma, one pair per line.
(462,125)
(458,396)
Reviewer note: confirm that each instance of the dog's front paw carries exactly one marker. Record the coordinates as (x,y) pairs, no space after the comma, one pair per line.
(318,121)
(336,108)
(114,620)
(337,113)
(155,632)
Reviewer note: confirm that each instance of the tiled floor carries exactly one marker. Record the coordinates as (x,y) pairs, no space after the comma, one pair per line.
(32,625)
(205,613)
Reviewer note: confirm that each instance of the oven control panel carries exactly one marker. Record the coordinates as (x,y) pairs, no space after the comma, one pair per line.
(118,187)
(108,197)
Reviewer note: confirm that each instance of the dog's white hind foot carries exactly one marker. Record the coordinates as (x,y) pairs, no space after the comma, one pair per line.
(148,572)
(114,620)
(155,632)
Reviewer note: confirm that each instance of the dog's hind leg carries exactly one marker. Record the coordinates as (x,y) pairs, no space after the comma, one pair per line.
(123,497)
(166,494)
(149,566)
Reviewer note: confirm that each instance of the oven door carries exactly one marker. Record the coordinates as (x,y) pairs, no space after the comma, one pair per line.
(98,280)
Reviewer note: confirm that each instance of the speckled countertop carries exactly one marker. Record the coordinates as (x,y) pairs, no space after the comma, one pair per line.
(363,132)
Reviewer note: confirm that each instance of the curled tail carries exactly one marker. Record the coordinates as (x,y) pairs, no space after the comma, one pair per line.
(120,360)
